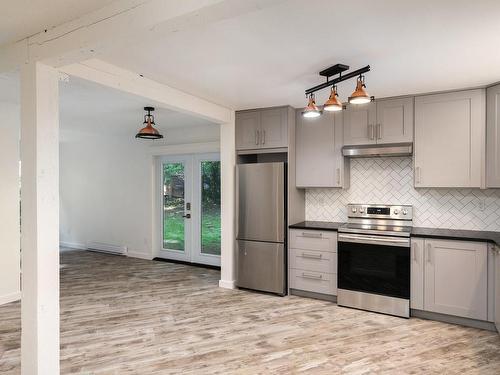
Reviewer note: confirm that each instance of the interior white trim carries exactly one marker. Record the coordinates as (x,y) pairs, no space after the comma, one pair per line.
(10,298)
(73,245)
(227,284)
(108,248)
(189,148)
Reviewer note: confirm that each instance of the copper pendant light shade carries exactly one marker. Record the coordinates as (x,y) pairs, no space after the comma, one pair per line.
(311,110)
(149,132)
(360,96)
(333,103)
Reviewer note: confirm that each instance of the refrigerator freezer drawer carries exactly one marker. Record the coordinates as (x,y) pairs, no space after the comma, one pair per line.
(261,266)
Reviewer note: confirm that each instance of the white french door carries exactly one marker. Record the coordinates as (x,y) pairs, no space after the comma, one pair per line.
(190,208)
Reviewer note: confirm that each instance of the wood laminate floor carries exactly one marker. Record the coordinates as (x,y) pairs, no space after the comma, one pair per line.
(129,316)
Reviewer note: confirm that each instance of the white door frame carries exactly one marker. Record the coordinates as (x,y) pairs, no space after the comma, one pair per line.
(197,256)
(188,180)
(192,193)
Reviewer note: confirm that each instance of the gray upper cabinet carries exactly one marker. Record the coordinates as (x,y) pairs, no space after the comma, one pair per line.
(319,160)
(493,137)
(394,121)
(263,128)
(359,124)
(449,139)
(383,121)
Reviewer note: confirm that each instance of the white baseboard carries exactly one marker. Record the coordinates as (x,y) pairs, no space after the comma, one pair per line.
(73,245)
(133,254)
(227,284)
(107,248)
(10,298)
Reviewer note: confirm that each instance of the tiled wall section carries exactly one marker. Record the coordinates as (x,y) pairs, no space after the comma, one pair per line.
(390,180)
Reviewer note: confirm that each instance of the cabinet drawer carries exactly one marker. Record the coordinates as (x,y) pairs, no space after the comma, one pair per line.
(313,240)
(311,260)
(318,282)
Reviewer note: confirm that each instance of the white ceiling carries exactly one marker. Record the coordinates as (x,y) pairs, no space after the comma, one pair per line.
(88,107)
(269,57)
(22,18)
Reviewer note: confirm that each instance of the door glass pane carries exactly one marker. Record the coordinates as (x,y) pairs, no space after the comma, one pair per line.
(210,207)
(173,206)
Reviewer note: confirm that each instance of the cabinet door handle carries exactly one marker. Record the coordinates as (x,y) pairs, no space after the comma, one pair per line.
(312,235)
(256,137)
(417,174)
(263,137)
(312,256)
(371,132)
(379,131)
(338,176)
(311,276)
(429,247)
(413,253)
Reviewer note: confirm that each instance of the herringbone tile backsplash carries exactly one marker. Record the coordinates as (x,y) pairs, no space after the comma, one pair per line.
(390,181)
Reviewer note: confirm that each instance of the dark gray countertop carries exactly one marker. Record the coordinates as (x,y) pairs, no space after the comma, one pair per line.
(448,234)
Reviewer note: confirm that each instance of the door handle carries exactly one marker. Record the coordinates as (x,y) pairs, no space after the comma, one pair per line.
(311,276)
(371,131)
(187,216)
(263,137)
(429,247)
(338,176)
(413,253)
(417,173)
(312,235)
(312,256)
(257,136)
(379,131)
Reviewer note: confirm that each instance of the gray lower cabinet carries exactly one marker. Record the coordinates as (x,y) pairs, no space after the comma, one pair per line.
(262,128)
(319,160)
(313,261)
(450,277)
(493,137)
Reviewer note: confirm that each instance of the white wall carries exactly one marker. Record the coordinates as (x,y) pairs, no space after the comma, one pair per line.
(9,203)
(106,187)
(390,181)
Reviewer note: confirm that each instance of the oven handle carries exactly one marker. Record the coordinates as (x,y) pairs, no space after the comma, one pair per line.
(372,240)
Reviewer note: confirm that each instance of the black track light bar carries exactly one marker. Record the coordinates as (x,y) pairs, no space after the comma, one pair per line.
(340,78)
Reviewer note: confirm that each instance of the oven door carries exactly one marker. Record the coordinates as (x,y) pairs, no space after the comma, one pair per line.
(374,264)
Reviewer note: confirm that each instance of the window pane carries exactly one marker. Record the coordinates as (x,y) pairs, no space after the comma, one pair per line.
(173,206)
(210,207)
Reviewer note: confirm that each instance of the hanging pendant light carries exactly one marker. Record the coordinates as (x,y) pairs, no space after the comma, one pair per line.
(149,132)
(333,103)
(311,110)
(360,96)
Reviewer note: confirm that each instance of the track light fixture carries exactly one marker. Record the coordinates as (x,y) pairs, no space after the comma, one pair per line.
(311,110)
(359,96)
(149,132)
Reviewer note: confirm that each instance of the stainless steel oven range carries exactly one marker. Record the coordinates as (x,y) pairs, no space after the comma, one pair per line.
(374,259)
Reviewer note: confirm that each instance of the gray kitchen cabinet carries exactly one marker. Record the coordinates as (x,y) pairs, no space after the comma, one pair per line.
(449,139)
(394,121)
(496,290)
(456,278)
(313,261)
(417,274)
(493,137)
(359,124)
(319,160)
(382,122)
(262,128)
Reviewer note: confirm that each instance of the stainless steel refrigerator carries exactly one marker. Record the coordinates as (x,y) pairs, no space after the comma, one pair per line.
(262,227)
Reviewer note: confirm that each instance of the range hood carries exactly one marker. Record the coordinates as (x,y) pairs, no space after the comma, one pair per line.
(366,151)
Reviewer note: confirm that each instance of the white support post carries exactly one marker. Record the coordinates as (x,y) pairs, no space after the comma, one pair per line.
(40,219)
(228,213)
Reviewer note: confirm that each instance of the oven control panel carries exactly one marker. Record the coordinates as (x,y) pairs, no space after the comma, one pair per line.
(380,211)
